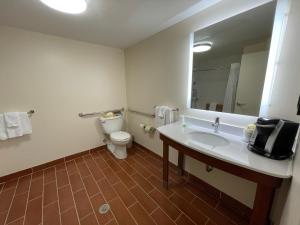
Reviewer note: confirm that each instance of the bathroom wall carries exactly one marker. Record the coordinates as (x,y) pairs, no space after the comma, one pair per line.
(58,78)
(157,73)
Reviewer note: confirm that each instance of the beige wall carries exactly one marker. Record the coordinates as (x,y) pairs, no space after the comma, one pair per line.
(157,73)
(59,78)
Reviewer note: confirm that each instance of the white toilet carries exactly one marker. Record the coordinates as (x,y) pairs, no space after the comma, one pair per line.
(118,139)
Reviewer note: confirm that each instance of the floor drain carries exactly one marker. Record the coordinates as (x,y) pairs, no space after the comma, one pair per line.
(104,208)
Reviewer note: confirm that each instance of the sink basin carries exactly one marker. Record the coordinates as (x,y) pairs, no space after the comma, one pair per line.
(208,139)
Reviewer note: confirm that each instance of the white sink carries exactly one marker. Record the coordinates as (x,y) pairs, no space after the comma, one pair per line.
(208,138)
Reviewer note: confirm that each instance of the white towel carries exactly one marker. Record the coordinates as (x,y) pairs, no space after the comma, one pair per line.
(25,123)
(12,119)
(3,134)
(23,128)
(164,115)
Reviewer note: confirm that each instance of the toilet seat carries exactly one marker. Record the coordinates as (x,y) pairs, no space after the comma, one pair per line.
(120,137)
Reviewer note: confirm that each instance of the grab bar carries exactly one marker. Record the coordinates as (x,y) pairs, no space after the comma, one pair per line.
(101,112)
(142,113)
(149,114)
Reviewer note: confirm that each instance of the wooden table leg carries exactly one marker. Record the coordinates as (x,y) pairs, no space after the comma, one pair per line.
(180,163)
(262,205)
(165,164)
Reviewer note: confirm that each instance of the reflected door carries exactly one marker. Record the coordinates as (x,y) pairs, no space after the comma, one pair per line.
(251,82)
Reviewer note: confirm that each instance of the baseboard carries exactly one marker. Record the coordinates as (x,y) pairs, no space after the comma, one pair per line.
(225,200)
(48,164)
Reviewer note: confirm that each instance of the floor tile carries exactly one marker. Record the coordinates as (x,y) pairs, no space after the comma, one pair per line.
(90,186)
(97,201)
(121,213)
(165,204)
(140,215)
(23,185)
(161,218)
(69,217)
(51,214)
(189,210)
(62,178)
(142,182)
(89,220)
(144,199)
(124,194)
(36,188)
(83,205)
(65,198)
(34,212)
(18,207)
(50,193)
(107,190)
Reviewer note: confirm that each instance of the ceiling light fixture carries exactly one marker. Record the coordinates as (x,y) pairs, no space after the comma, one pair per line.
(202,47)
(67,6)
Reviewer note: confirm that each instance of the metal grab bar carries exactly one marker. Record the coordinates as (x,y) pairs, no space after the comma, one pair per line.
(101,112)
(142,113)
(148,114)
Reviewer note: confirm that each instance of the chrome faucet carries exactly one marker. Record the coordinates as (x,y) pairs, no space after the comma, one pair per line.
(216,124)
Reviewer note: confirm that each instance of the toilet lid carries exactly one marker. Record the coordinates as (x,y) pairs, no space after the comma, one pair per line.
(120,135)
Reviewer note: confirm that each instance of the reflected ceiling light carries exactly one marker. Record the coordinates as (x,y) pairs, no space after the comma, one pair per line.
(202,47)
(67,6)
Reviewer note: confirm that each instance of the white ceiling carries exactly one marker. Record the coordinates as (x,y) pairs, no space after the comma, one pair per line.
(117,23)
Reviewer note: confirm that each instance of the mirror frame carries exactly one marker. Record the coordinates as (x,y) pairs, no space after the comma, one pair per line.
(278,32)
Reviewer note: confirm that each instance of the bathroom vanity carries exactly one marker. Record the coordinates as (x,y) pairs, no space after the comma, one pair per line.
(226,151)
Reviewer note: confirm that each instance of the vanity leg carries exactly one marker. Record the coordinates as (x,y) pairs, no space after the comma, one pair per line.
(165,164)
(262,205)
(180,163)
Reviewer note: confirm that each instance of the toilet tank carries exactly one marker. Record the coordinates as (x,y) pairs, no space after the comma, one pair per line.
(111,124)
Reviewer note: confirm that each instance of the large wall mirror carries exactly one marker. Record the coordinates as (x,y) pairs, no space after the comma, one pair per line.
(230,61)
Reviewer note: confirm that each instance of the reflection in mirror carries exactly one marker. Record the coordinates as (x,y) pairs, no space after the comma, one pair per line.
(230,60)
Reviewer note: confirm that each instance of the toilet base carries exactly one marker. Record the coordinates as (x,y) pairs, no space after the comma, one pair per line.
(119,151)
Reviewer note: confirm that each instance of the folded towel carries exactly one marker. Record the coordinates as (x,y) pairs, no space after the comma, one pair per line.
(12,119)
(3,134)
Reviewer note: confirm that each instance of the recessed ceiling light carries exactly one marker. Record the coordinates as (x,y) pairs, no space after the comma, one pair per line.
(202,47)
(67,6)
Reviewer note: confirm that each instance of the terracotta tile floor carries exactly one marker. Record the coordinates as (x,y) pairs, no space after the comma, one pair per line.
(71,193)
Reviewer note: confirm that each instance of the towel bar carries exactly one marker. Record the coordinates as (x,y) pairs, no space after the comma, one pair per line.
(30,112)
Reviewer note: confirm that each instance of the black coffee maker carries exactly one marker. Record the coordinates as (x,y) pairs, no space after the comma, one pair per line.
(274,138)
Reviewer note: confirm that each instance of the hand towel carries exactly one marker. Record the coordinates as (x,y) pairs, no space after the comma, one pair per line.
(160,116)
(25,123)
(3,134)
(12,119)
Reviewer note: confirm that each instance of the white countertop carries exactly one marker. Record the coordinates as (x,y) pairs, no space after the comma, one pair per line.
(235,152)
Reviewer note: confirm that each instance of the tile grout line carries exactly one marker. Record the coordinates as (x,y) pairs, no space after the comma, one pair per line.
(72,193)
(8,211)
(58,202)
(27,199)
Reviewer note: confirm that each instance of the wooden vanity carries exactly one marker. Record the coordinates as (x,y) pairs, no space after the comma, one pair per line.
(266,184)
